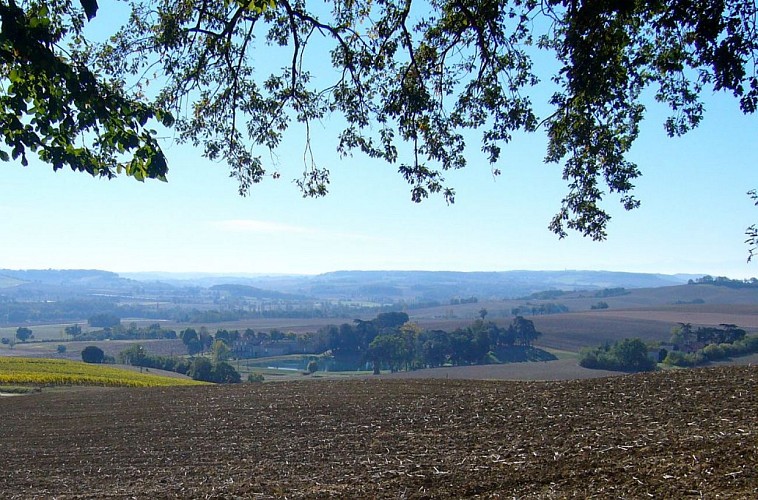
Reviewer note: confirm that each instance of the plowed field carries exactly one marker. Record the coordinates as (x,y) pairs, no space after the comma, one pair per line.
(663,435)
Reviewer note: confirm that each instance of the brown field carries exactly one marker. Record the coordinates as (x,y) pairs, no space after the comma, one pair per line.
(573,331)
(713,297)
(688,433)
(110,347)
(560,369)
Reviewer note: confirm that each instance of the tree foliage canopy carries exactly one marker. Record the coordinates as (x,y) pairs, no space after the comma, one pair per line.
(23,333)
(407,80)
(93,354)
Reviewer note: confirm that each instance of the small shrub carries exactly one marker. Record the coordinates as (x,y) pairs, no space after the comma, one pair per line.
(224,373)
(750,344)
(626,355)
(715,352)
(255,378)
(201,369)
(93,354)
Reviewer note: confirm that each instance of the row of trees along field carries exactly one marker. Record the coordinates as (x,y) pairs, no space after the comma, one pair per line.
(199,368)
(119,331)
(692,347)
(688,347)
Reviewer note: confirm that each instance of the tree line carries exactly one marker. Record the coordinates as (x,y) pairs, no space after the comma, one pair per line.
(628,355)
(724,281)
(689,347)
(692,347)
(391,342)
(199,368)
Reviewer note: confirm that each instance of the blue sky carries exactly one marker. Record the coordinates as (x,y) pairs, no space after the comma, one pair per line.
(692,220)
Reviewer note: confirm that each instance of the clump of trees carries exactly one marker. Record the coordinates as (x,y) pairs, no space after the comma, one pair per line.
(196,341)
(628,355)
(120,332)
(199,368)
(390,342)
(205,370)
(103,320)
(694,347)
(93,354)
(685,338)
(612,292)
(725,282)
(458,300)
(539,309)
(713,352)
(691,347)
(73,330)
(137,355)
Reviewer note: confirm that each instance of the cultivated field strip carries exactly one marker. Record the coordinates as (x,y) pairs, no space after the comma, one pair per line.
(52,372)
(689,433)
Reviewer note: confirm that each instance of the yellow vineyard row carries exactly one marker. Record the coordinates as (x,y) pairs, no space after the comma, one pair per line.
(63,372)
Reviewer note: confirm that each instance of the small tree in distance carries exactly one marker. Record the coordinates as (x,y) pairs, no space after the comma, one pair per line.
(93,354)
(220,352)
(201,369)
(73,330)
(224,373)
(23,334)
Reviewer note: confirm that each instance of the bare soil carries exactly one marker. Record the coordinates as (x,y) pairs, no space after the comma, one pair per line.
(688,433)
(560,369)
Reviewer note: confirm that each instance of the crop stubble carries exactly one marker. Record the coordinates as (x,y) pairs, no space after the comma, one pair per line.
(673,434)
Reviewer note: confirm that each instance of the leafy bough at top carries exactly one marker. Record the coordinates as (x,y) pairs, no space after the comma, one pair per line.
(402,72)
(52,104)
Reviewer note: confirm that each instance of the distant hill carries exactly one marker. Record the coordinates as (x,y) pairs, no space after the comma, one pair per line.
(392,286)
(62,284)
(67,278)
(372,287)
(58,276)
(408,286)
(253,292)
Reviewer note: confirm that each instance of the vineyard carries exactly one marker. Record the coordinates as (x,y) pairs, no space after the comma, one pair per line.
(53,372)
